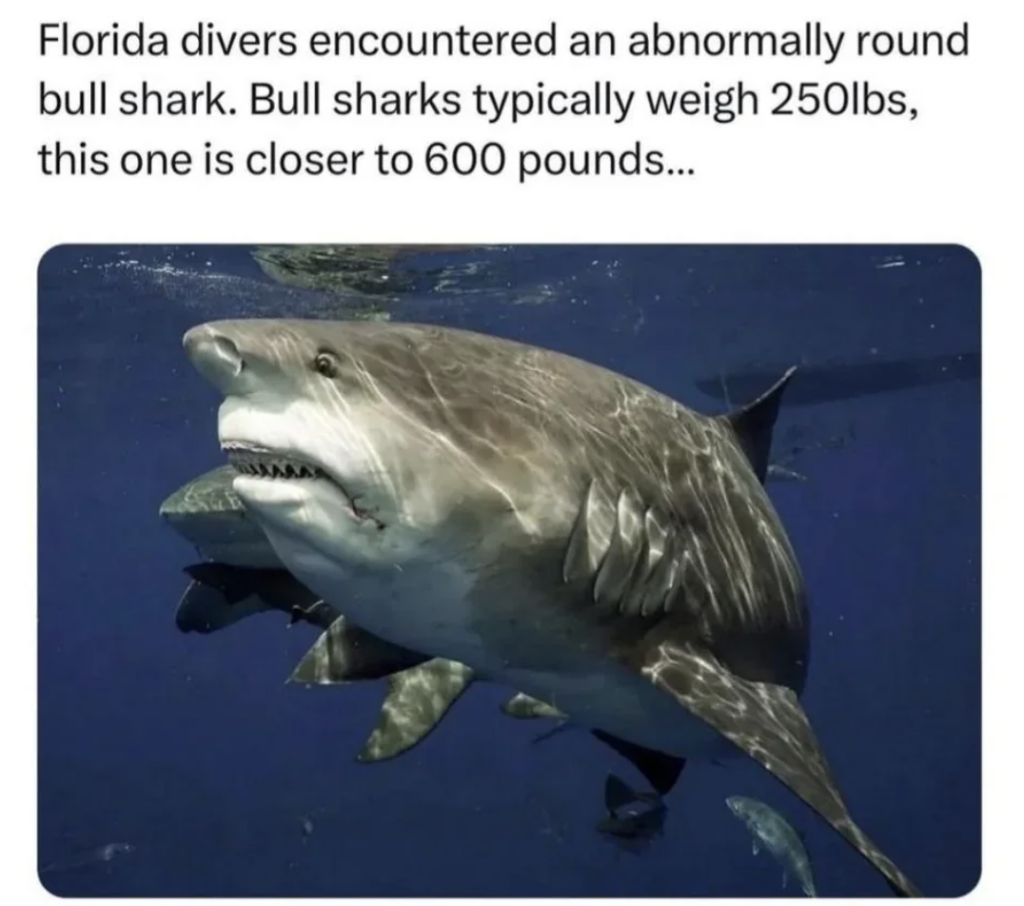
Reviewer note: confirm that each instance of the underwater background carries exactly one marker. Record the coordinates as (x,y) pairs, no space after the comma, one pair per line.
(225,781)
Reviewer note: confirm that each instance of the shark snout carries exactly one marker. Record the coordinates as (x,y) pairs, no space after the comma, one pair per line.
(216,356)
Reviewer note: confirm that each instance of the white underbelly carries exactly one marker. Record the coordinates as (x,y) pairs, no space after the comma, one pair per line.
(426,610)
(420,607)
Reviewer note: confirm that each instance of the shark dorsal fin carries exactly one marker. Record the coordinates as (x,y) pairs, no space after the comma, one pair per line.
(753,424)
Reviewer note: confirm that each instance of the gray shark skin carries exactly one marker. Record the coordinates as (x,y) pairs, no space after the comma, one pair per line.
(777,835)
(551,524)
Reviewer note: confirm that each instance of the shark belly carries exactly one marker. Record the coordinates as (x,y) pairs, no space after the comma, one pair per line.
(427,608)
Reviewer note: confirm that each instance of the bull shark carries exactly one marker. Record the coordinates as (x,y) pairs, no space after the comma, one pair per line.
(555,526)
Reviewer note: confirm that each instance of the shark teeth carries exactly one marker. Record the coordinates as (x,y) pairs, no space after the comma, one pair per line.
(263,463)
(269,465)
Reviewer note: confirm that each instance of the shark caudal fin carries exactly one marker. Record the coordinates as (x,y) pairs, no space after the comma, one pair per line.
(768,723)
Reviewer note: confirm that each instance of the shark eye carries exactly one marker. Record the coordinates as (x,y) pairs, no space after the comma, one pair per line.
(326,364)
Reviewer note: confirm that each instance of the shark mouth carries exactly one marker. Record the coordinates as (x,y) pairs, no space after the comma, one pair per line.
(268,464)
(260,462)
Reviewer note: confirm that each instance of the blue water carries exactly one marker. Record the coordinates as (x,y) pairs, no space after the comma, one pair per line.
(194,750)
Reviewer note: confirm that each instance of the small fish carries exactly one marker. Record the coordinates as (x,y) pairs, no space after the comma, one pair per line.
(524,707)
(783,474)
(777,836)
(91,857)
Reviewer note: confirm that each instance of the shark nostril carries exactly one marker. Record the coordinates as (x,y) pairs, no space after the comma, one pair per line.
(226,355)
(214,355)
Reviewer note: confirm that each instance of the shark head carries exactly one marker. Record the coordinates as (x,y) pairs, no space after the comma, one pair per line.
(328,450)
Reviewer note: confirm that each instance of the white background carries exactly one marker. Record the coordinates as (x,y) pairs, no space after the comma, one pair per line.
(954,175)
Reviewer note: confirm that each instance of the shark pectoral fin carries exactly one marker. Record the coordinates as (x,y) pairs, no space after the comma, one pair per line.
(660,770)
(768,723)
(416,701)
(345,653)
